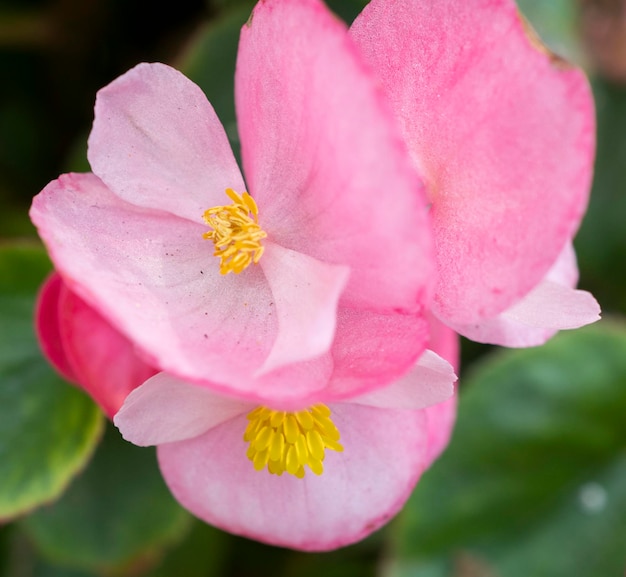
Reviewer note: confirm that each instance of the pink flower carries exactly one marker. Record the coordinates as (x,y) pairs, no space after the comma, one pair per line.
(502,132)
(389,437)
(85,348)
(367,453)
(318,286)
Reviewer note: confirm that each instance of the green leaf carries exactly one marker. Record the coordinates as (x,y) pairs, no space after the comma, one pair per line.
(601,242)
(557,23)
(23,267)
(48,429)
(203,553)
(534,481)
(254,558)
(42,570)
(14,221)
(19,559)
(118,513)
(358,560)
(347,10)
(222,5)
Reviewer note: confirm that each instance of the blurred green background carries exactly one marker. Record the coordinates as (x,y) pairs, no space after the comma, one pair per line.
(534,481)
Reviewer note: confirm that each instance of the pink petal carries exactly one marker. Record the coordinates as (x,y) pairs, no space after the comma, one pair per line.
(106,363)
(429,382)
(553,305)
(157,142)
(306,292)
(289,387)
(564,270)
(360,489)
(47,326)
(369,351)
(85,348)
(503,133)
(165,409)
(373,350)
(444,341)
(154,277)
(440,418)
(323,158)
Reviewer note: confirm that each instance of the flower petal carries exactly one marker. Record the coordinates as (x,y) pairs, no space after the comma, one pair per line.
(306,292)
(370,351)
(429,382)
(47,326)
(553,305)
(440,418)
(105,362)
(323,157)
(289,387)
(165,409)
(444,341)
(154,277)
(503,133)
(360,489)
(157,142)
(373,350)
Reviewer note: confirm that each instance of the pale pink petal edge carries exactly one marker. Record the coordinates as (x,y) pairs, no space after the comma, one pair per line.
(166,409)
(429,382)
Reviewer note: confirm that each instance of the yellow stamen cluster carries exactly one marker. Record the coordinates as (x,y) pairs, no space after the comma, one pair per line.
(286,442)
(236,232)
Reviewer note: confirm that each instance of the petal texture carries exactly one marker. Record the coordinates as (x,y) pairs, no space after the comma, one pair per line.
(323,158)
(165,409)
(157,142)
(106,364)
(306,293)
(372,350)
(440,418)
(153,275)
(85,348)
(47,326)
(429,382)
(501,130)
(553,305)
(360,489)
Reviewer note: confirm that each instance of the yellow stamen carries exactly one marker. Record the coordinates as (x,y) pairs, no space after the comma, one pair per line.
(236,232)
(286,442)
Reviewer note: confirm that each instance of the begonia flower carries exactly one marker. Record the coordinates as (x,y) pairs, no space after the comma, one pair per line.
(85,349)
(502,132)
(315,479)
(90,352)
(310,282)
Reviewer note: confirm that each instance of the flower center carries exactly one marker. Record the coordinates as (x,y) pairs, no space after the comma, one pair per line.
(236,232)
(285,441)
